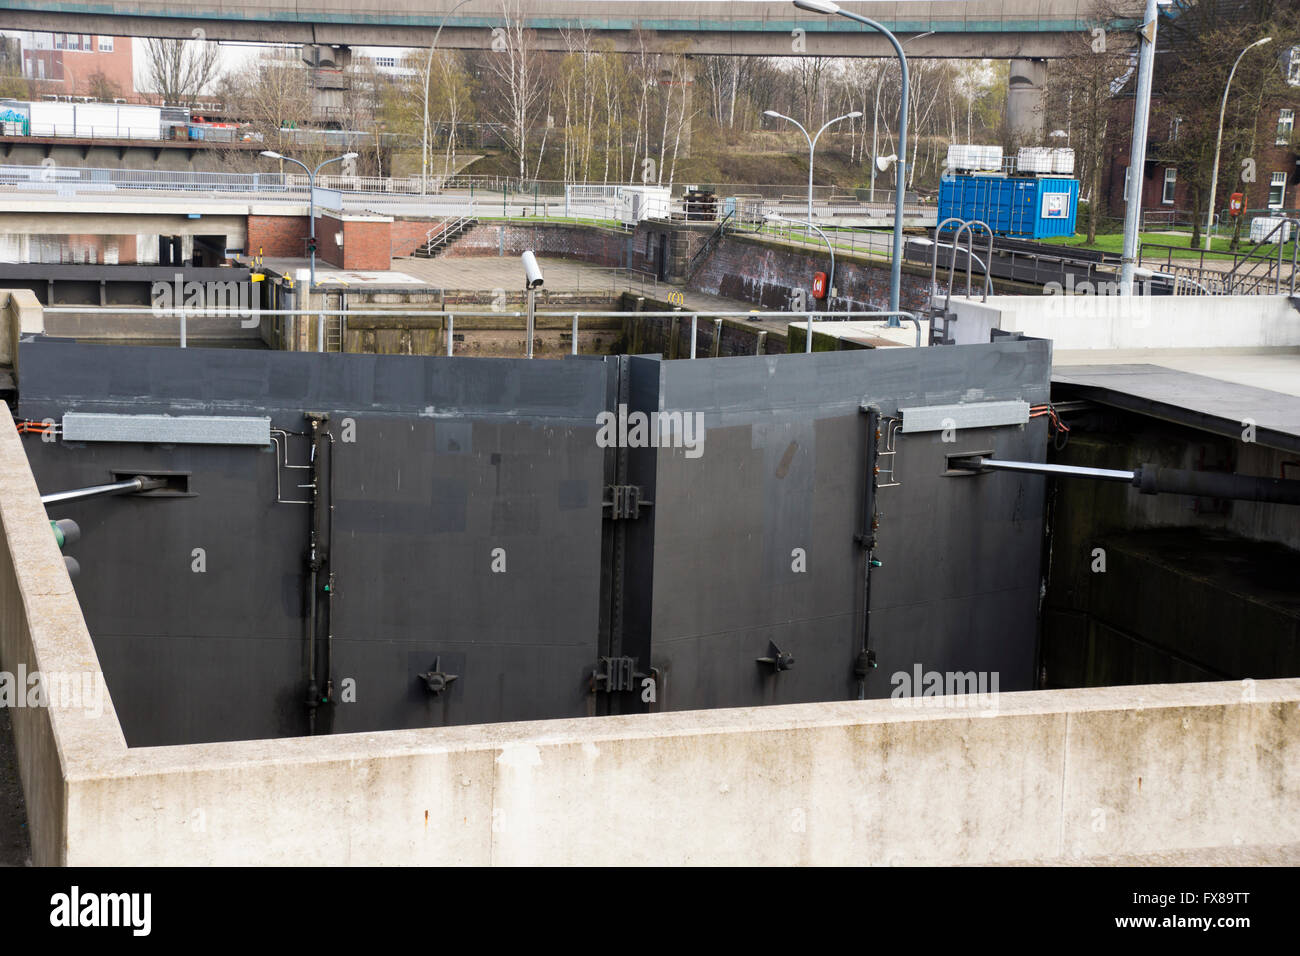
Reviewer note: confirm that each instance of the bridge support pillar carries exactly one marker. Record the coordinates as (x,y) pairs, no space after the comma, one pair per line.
(1026,90)
(329,80)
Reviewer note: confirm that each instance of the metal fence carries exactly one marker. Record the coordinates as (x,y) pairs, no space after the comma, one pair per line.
(696,316)
(97,179)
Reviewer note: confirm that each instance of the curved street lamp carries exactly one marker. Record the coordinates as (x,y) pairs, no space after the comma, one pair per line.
(311,218)
(896,266)
(830,283)
(812,144)
(1218,143)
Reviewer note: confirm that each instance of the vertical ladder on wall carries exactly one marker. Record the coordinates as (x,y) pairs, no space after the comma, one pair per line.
(334,333)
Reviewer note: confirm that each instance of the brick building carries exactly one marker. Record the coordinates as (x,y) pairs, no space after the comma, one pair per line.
(1165,187)
(72,64)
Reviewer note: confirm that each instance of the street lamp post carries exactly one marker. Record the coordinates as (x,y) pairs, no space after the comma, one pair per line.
(1138,146)
(830,282)
(428,70)
(880,82)
(1218,143)
(896,266)
(812,145)
(311,219)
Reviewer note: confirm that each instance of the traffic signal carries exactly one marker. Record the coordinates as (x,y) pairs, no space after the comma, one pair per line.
(67,532)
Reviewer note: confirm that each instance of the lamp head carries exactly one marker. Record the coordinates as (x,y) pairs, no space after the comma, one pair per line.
(773,113)
(1261,42)
(271,154)
(883,162)
(349,156)
(854,115)
(818,6)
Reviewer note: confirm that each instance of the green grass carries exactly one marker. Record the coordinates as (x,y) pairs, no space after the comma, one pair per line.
(1218,247)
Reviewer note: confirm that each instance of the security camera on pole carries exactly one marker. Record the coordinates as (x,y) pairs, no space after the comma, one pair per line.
(532,282)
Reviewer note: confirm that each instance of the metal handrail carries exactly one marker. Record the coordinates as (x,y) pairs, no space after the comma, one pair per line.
(184,313)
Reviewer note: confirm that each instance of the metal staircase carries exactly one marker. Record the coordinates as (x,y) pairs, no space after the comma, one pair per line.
(443,235)
(708,246)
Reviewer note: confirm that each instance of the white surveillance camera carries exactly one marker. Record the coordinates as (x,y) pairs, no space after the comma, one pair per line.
(532,273)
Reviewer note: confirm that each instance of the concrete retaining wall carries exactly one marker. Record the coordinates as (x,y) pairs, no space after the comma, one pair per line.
(768,273)
(1049,775)
(1132,322)
(1053,776)
(42,629)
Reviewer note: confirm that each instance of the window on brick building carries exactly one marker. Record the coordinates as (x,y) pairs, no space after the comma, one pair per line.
(85,42)
(105,44)
(1171,182)
(1285,125)
(60,41)
(1277,191)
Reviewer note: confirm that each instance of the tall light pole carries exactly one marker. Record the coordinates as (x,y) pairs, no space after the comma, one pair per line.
(311,218)
(830,283)
(812,145)
(880,81)
(896,265)
(1218,143)
(428,69)
(1137,159)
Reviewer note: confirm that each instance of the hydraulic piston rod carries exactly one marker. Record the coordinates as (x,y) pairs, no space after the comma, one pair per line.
(1151,480)
(130,485)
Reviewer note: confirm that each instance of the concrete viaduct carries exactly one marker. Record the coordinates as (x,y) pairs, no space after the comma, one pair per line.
(1027,32)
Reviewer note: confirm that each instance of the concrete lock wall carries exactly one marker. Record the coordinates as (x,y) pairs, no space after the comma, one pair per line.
(1132,322)
(768,274)
(1054,775)
(1049,775)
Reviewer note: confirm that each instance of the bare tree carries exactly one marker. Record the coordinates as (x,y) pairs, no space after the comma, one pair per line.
(1084,85)
(181,70)
(513,63)
(273,94)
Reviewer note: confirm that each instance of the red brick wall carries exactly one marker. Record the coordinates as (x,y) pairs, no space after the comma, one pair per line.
(277,236)
(366,244)
(600,246)
(1269,158)
(409,234)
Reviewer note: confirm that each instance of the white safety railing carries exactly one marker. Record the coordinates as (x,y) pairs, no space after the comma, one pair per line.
(695,315)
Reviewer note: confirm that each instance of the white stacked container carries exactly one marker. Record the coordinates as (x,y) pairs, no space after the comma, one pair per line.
(1261,226)
(959,157)
(1034,159)
(1063,161)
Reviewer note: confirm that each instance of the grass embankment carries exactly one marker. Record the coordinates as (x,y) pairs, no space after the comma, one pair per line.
(1179,241)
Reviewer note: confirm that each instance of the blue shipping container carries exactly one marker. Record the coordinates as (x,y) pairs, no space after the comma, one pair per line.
(1026,208)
